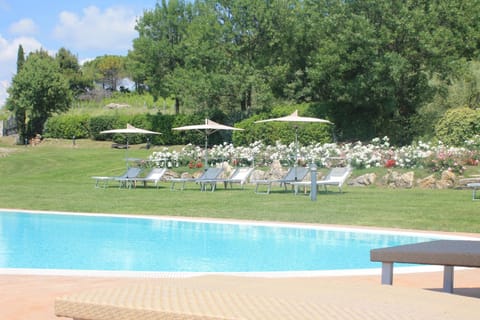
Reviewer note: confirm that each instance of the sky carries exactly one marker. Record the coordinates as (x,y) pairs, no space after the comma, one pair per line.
(87,28)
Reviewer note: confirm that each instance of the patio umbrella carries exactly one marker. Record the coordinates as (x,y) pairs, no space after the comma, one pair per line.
(208,128)
(295,118)
(129,130)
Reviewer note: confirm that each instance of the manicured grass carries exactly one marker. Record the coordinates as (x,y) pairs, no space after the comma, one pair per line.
(56,176)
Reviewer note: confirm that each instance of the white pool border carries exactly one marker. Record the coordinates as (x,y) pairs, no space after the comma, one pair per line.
(279,274)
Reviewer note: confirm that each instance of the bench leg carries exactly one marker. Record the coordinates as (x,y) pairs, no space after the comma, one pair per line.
(387,273)
(448,279)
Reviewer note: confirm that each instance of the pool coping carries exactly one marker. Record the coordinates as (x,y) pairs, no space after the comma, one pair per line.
(269,274)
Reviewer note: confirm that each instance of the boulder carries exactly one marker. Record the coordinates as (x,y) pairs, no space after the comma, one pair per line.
(276,171)
(394,179)
(227,169)
(258,175)
(448,179)
(363,180)
(169,174)
(427,183)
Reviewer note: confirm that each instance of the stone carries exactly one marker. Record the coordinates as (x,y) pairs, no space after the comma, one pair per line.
(257,175)
(363,180)
(394,179)
(276,171)
(427,183)
(169,174)
(227,169)
(448,179)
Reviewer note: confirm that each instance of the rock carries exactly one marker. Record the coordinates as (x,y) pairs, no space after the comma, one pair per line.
(117,105)
(394,179)
(276,171)
(227,169)
(448,179)
(169,174)
(363,180)
(186,175)
(427,183)
(258,175)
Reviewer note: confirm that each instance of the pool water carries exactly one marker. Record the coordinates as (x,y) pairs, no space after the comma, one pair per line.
(118,243)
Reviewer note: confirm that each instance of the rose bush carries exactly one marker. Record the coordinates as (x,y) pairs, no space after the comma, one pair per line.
(377,153)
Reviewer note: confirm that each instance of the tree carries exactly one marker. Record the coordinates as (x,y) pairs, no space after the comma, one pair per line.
(70,68)
(158,50)
(20,58)
(111,68)
(375,59)
(38,90)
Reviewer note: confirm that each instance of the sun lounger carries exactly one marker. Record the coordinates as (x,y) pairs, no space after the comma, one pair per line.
(155,175)
(239,175)
(336,177)
(449,253)
(123,179)
(295,174)
(210,174)
(475,186)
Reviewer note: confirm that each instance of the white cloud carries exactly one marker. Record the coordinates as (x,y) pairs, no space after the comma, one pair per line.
(111,29)
(23,27)
(8,60)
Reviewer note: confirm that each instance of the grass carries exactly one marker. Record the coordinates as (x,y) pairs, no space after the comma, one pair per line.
(56,176)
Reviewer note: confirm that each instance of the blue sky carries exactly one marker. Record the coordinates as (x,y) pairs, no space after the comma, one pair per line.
(85,27)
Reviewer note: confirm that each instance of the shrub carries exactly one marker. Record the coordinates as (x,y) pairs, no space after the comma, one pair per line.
(457,126)
(101,123)
(67,126)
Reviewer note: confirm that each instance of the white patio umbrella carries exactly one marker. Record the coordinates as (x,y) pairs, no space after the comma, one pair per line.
(129,130)
(295,118)
(208,128)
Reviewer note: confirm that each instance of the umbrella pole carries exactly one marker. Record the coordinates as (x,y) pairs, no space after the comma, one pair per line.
(126,151)
(296,151)
(206,150)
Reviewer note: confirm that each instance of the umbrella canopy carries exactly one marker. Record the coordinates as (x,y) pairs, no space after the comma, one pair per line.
(295,118)
(129,130)
(208,128)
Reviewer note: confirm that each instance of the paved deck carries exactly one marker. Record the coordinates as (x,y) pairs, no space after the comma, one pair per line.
(414,296)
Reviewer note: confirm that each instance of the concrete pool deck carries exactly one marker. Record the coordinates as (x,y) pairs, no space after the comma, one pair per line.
(413,296)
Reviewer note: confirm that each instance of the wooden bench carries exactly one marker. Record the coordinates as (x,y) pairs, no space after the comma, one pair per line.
(447,253)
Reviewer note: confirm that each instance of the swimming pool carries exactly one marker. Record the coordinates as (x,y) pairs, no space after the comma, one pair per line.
(59,241)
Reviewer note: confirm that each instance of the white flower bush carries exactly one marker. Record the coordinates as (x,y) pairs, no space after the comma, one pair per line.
(377,153)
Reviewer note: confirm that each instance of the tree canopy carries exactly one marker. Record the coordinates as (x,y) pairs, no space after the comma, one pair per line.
(366,65)
(38,90)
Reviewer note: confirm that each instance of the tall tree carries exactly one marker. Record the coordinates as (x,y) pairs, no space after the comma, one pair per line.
(70,68)
(20,58)
(37,91)
(159,46)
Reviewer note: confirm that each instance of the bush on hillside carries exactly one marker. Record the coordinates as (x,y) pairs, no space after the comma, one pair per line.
(67,127)
(457,126)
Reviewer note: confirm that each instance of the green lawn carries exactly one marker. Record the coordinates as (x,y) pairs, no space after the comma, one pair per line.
(56,176)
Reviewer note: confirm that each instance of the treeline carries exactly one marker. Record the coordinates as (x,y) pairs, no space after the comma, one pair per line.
(372,67)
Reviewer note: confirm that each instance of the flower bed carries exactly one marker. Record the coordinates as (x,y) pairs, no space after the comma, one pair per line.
(377,153)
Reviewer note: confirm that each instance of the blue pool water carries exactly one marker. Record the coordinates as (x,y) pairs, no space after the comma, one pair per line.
(112,243)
